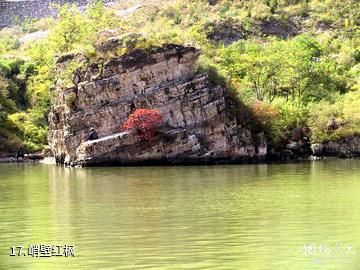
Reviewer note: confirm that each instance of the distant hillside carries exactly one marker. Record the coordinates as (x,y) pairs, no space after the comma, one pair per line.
(18,10)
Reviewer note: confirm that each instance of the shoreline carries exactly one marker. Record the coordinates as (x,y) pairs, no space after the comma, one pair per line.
(52,161)
(13,160)
(213,163)
(27,159)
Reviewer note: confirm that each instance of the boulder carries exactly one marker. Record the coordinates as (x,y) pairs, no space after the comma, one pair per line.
(332,125)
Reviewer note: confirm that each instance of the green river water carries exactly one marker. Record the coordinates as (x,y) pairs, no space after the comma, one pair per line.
(262,217)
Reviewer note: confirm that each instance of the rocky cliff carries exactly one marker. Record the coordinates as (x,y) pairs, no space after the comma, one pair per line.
(199,125)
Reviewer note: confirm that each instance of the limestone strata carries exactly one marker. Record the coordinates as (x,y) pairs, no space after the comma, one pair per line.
(198,123)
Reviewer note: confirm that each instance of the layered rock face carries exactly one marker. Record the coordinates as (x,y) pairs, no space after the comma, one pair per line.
(198,123)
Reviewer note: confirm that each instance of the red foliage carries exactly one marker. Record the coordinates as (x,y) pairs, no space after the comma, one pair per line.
(145,121)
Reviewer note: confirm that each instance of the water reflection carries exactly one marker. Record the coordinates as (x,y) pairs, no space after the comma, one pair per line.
(219,217)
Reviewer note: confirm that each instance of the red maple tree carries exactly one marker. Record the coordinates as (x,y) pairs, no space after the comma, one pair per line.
(145,121)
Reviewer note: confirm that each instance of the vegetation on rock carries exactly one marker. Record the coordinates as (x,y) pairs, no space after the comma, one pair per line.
(293,63)
(145,122)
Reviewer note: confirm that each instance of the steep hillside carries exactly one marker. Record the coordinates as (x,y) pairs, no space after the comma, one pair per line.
(295,64)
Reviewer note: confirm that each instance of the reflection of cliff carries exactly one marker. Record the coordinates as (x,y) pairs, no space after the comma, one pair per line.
(21,9)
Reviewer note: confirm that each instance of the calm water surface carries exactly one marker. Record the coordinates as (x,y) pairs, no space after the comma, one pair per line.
(220,217)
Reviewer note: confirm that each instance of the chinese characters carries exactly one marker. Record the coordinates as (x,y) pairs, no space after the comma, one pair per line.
(44,251)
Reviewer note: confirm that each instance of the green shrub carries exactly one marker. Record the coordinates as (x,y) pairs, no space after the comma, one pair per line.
(346,111)
(8,42)
(32,128)
(279,118)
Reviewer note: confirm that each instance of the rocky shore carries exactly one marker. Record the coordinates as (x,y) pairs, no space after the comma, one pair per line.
(343,148)
(29,158)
